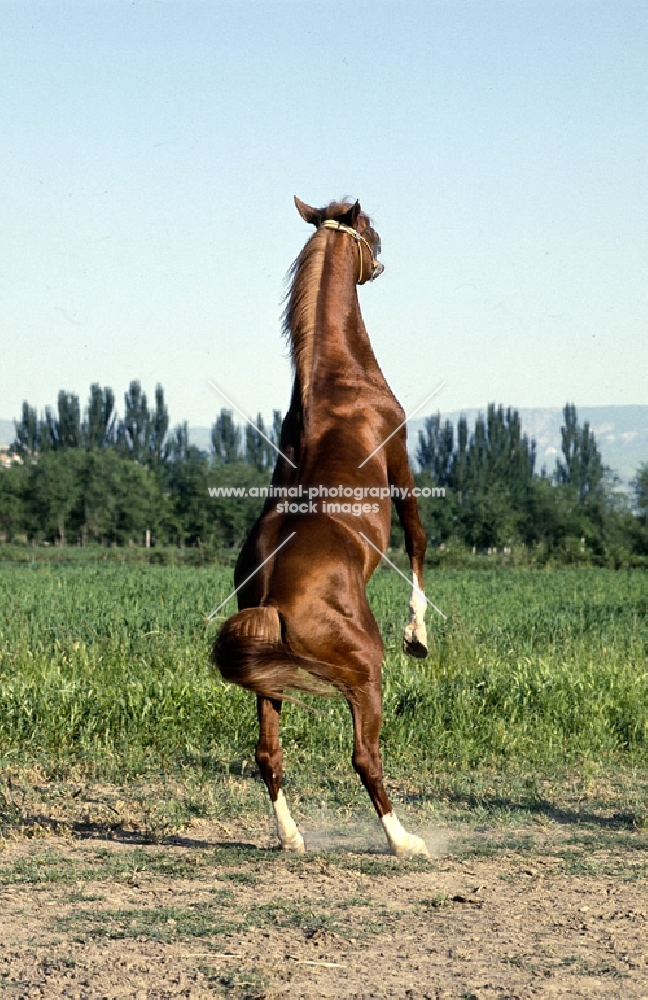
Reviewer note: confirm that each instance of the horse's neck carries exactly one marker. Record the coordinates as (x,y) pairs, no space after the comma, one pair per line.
(341,346)
(331,348)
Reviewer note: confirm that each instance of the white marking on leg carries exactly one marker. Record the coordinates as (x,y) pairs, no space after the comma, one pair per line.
(290,837)
(416,631)
(401,843)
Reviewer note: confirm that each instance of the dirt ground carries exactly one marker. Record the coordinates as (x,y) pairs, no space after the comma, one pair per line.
(546,909)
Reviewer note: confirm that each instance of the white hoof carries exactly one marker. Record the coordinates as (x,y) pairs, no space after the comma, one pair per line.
(295,843)
(290,837)
(401,843)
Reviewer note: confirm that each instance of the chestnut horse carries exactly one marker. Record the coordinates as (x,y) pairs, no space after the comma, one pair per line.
(304,620)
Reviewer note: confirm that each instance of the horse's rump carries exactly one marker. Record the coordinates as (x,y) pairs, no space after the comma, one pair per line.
(250,650)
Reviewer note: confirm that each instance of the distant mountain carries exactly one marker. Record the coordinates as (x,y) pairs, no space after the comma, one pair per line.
(621,433)
(200,437)
(7,432)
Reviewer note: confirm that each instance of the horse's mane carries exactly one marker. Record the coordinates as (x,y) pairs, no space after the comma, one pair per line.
(299,315)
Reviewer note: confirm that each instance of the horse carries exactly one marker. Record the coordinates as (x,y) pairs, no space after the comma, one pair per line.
(304,621)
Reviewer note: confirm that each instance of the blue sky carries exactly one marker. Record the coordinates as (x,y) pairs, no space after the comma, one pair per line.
(151,151)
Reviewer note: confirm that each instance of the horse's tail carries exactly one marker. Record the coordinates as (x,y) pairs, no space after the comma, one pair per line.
(251,650)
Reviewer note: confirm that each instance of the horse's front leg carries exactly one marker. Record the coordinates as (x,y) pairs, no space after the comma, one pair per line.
(269,759)
(399,474)
(415,637)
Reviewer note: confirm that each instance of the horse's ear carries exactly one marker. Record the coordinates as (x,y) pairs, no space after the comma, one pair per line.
(308,214)
(350,218)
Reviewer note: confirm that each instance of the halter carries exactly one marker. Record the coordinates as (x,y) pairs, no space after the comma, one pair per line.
(376,267)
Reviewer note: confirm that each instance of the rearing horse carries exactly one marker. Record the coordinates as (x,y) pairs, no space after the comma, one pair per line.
(304,619)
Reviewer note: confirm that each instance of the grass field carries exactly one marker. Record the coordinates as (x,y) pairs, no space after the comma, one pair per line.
(105,667)
(136,844)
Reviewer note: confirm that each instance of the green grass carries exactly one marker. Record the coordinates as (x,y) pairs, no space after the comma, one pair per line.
(225,868)
(54,867)
(104,669)
(221,917)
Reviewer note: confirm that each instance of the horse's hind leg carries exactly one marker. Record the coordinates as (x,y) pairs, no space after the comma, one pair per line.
(366,710)
(268,757)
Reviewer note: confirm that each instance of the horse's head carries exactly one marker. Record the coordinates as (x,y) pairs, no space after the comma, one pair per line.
(348,218)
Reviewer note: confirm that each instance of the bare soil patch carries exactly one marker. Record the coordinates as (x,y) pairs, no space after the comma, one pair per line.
(537,908)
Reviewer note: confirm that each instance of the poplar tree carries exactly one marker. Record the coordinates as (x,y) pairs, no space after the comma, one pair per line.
(258,451)
(435,453)
(26,442)
(159,424)
(581,466)
(100,423)
(226,439)
(134,433)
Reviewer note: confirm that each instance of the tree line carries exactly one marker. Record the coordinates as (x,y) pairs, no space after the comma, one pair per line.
(497,499)
(94,477)
(142,435)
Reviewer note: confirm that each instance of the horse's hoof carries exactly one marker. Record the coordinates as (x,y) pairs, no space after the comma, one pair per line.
(401,843)
(415,648)
(410,847)
(294,844)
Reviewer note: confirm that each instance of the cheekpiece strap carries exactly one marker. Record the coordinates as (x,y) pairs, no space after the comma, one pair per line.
(340,227)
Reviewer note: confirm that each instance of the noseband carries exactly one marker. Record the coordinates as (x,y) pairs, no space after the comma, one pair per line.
(376,267)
